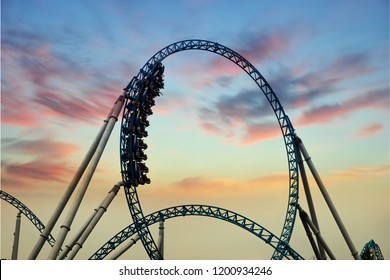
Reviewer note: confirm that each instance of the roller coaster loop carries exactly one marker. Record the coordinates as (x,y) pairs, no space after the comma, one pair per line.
(135,95)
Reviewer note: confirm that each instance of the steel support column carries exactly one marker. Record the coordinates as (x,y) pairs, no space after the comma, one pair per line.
(121,251)
(101,210)
(160,243)
(15,246)
(65,228)
(69,191)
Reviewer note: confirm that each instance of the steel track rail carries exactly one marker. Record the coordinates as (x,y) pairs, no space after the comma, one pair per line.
(26,212)
(196,210)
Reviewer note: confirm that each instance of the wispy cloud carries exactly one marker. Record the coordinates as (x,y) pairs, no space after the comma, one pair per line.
(38,80)
(37,148)
(243,116)
(327,113)
(260,132)
(259,47)
(203,185)
(364,171)
(369,130)
(39,170)
(37,159)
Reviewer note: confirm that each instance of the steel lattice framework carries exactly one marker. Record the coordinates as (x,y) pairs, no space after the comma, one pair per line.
(26,212)
(134,91)
(197,210)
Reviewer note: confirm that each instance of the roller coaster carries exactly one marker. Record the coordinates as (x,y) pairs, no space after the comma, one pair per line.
(137,100)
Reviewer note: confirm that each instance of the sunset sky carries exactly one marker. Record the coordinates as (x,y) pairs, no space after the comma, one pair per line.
(213,137)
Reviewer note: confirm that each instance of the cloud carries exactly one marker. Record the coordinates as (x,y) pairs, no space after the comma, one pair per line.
(327,113)
(244,116)
(363,171)
(38,148)
(37,80)
(39,170)
(62,106)
(260,132)
(262,46)
(17,111)
(239,117)
(342,68)
(369,130)
(202,185)
(42,160)
(257,48)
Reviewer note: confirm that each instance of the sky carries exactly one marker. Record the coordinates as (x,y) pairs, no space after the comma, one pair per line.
(213,137)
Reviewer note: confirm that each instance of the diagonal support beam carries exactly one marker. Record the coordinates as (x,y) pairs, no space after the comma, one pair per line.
(306,221)
(65,228)
(309,198)
(125,248)
(329,201)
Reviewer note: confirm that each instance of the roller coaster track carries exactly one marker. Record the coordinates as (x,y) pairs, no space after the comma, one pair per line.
(26,212)
(197,210)
(134,91)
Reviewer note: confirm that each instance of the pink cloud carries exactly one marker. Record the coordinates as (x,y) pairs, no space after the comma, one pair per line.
(39,148)
(202,185)
(327,113)
(260,132)
(16,108)
(258,48)
(343,68)
(369,130)
(210,128)
(39,170)
(42,160)
(265,46)
(38,82)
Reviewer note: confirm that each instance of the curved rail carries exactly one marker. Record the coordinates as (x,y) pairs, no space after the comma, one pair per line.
(135,90)
(26,212)
(197,210)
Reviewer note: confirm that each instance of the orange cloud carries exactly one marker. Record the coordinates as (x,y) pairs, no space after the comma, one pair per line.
(201,185)
(260,132)
(369,130)
(47,161)
(358,172)
(38,148)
